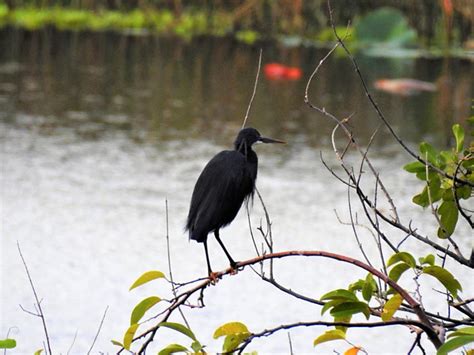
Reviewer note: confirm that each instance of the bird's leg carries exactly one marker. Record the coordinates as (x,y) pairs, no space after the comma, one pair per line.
(233,264)
(212,275)
(207,258)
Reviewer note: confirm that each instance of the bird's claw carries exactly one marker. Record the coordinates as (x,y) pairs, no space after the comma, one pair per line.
(234,268)
(214,277)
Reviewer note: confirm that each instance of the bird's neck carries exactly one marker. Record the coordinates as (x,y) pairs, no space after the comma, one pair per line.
(243,148)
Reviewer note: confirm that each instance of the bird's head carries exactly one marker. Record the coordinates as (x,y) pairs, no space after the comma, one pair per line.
(249,136)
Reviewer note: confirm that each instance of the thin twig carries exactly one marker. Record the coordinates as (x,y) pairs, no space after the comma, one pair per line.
(29,312)
(268,237)
(289,343)
(72,344)
(292,293)
(378,228)
(38,303)
(417,339)
(268,332)
(250,229)
(354,229)
(98,330)
(456,197)
(378,110)
(8,335)
(173,288)
(254,88)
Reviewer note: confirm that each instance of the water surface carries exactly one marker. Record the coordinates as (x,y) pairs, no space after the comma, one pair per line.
(99,130)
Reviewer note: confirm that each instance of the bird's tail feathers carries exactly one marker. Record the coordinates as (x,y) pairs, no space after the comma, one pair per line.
(197,236)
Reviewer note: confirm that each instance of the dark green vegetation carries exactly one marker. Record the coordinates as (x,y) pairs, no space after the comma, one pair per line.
(400,24)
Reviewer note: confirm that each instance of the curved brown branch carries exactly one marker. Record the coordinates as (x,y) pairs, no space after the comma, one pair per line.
(183,297)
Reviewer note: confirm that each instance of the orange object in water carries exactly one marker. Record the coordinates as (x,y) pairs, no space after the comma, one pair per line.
(276,71)
(293,73)
(403,87)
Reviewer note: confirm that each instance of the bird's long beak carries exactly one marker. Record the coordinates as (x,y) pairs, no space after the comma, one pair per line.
(271,140)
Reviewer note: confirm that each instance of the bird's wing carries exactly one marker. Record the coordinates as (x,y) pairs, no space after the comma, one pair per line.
(219,192)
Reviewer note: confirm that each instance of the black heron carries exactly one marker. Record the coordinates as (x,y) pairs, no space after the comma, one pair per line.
(226,181)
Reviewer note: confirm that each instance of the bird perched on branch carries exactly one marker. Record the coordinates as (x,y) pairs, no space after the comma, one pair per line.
(226,181)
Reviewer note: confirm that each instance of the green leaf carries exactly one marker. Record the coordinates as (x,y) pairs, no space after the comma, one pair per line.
(428,152)
(128,336)
(422,199)
(141,308)
(39,351)
(455,343)
(368,288)
(334,334)
(356,286)
(196,346)
(448,212)
(232,341)
(339,294)
(397,271)
(448,156)
(435,191)
(458,132)
(429,259)
(402,256)
(173,348)
(415,167)
(7,343)
(179,328)
(464,192)
(331,304)
(230,329)
(350,308)
(117,343)
(448,194)
(462,331)
(391,306)
(445,277)
(147,277)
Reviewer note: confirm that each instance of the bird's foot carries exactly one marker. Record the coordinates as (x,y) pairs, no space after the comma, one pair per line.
(214,277)
(234,267)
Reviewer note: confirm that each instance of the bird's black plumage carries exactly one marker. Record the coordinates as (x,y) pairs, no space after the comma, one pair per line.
(224,184)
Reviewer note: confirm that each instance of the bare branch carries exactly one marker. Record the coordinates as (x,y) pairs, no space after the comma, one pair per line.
(456,197)
(289,343)
(254,88)
(379,112)
(354,230)
(269,332)
(29,312)
(72,344)
(173,288)
(38,303)
(98,330)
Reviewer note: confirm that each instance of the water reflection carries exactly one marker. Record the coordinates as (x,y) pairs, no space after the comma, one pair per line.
(98,129)
(159,89)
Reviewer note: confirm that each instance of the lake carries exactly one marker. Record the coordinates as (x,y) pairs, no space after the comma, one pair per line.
(99,130)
